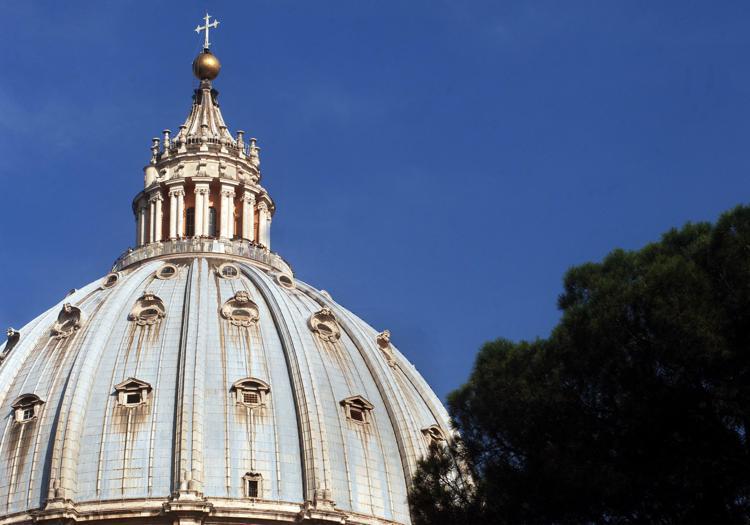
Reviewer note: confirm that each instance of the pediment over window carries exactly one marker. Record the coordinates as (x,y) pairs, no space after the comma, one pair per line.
(26,407)
(324,324)
(132,392)
(251,392)
(357,409)
(148,310)
(240,310)
(68,321)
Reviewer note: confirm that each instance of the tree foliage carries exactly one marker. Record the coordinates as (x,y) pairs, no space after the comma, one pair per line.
(634,410)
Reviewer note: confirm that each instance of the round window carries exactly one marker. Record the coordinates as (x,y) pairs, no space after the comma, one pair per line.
(285,280)
(168,271)
(229,271)
(110,280)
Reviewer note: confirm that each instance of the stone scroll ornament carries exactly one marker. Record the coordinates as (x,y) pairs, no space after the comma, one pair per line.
(148,310)
(240,310)
(384,343)
(323,323)
(68,321)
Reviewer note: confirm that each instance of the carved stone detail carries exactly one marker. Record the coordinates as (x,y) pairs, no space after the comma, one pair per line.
(148,310)
(240,310)
(384,343)
(68,321)
(433,435)
(323,323)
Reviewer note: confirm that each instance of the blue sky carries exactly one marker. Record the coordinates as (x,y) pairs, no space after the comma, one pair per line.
(437,166)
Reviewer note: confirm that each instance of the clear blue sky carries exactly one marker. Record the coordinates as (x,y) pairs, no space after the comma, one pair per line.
(437,166)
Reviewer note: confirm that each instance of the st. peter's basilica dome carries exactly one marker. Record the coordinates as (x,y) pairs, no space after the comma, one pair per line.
(200,381)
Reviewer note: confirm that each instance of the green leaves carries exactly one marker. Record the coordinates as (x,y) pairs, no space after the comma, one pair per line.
(635,409)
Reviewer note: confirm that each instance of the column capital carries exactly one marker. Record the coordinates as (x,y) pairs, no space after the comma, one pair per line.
(248,196)
(176,191)
(201,189)
(262,206)
(155,196)
(227,192)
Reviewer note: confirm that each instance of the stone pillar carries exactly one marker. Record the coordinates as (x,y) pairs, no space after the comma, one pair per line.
(248,215)
(159,218)
(205,204)
(141,223)
(180,192)
(173,213)
(201,210)
(151,219)
(227,212)
(263,217)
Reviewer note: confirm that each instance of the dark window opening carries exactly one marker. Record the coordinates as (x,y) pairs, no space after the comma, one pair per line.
(356,414)
(252,488)
(27,414)
(251,398)
(229,271)
(133,398)
(212,222)
(190,222)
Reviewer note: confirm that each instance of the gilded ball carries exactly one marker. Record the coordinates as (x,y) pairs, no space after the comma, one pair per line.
(206,66)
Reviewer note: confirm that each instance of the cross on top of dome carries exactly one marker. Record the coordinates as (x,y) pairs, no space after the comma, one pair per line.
(206,27)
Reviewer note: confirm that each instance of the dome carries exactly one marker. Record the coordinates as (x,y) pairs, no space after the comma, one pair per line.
(200,381)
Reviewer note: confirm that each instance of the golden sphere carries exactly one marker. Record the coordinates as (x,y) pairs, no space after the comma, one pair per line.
(206,66)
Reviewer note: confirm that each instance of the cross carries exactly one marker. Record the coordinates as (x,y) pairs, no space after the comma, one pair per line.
(206,27)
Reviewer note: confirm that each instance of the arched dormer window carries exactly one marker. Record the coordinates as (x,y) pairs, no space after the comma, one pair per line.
(68,321)
(357,409)
(26,407)
(240,310)
(433,435)
(132,392)
(148,310)
(251,392)
(323,323)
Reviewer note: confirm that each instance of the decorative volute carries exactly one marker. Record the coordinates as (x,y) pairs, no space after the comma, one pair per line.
(202,182)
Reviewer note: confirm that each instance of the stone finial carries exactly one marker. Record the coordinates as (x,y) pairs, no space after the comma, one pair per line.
(154,149)
(254,152)
(167,141)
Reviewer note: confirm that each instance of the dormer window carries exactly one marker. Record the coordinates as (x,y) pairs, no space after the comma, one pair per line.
(252,482)
(26,407)
(68,321)
(251,392)
(148,310)
(240,310)
(323,323)
(132,392)
(357,409)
